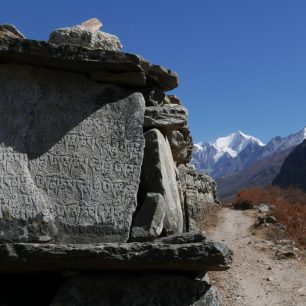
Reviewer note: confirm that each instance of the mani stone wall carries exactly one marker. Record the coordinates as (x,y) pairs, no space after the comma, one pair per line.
(94,177)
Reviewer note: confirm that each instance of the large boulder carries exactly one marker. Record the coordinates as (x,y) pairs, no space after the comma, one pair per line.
(158,175)
(71,155)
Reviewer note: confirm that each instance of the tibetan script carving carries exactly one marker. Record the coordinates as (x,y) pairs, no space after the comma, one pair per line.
(70,157)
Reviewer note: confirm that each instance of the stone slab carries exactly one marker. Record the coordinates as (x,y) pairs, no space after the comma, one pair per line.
(158,175)
(188,252)
(168,117)
(83,60)
(149,219)
(71,152)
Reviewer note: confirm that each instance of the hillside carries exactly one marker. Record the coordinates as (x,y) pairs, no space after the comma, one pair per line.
(260,174)
(293,170)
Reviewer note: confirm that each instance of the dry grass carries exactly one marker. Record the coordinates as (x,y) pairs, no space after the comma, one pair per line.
(288,206)
(210,219)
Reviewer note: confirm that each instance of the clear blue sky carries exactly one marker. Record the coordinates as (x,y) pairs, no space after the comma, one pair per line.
(242,63)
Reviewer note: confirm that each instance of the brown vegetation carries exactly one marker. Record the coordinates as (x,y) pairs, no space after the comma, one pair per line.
(288,206)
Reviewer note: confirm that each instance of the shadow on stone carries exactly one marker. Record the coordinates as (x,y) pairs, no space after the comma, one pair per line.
(145,289)
(39,106)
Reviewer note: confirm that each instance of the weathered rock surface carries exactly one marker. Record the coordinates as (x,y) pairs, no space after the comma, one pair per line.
(8,31)
(188,252)
(158,176)
(264,208)
(153,96)
(171,119)
(84,60)
(149,220)
(71,153)
(174,99)
(167,117)
(181,145)
(128,290)
(200,192)
(87,37)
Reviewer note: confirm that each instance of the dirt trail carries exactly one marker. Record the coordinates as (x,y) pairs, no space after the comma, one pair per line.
(256,278)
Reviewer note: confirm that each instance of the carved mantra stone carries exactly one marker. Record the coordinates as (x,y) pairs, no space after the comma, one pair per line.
(70,156)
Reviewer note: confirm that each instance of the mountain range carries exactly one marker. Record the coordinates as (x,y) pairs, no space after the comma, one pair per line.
(239,160)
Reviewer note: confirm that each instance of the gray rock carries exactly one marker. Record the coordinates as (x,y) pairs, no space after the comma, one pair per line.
(188,252)
(85,35)
(84,60)
(128,290)
(266,220)
(285,254)
(181,145)
(263,208)
(158,176)
(200,194)
(71,154)
(286,242)
(171,119)
(174,99)
(149,220)
(153,96)
(8,31)
(168,117)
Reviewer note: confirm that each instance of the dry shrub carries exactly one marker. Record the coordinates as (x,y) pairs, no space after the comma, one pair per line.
(247,198)
(288,206)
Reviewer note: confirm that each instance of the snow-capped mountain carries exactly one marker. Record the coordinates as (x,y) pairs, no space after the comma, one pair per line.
(207,154)
(233,153)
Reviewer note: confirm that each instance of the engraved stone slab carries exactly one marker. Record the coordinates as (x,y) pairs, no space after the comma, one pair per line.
(70,157)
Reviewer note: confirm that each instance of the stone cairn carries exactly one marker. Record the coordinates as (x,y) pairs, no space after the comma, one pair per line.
(98,205)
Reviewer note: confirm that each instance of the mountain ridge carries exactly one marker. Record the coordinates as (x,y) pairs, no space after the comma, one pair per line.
(255,164)
(230,154)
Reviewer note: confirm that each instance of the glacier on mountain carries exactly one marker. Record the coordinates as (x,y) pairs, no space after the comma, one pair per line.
(230,154)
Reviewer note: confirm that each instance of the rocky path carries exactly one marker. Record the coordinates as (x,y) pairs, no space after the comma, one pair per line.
(256,277)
